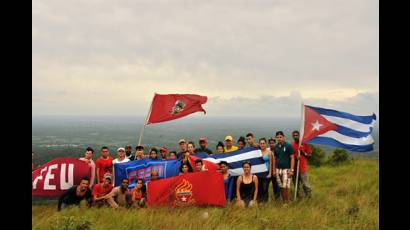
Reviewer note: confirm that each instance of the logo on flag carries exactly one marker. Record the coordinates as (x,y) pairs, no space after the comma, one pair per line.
(339,129)
(183,194)
(178,107)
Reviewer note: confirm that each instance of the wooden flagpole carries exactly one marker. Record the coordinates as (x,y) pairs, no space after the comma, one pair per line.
(301,131)
(145,123)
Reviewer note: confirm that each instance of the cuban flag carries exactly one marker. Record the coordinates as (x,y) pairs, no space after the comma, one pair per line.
(339,129)
(236,158)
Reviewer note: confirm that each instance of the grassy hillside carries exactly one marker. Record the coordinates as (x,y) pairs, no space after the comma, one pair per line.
(344,197)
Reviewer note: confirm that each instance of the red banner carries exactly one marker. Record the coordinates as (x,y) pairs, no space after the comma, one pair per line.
(191,189)
(207,165)
(173,106)
(58,175)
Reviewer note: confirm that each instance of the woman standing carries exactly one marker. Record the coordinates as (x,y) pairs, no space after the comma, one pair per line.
(247,187)
(220,147)
(228,180)
(269,162)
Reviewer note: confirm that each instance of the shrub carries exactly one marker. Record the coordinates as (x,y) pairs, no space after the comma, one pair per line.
(70,223)
(339,156)
(318,156)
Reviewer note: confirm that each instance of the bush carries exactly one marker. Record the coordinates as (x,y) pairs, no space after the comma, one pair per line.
(70,223)
(318,156)
(339,156)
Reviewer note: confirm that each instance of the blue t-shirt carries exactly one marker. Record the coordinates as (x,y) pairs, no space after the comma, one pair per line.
(266,159)
(228,184)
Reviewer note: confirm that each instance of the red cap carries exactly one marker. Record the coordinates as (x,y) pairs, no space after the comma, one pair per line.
(163,149)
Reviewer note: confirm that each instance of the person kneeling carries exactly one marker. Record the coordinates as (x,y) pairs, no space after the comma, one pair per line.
(139,194)
(101,190)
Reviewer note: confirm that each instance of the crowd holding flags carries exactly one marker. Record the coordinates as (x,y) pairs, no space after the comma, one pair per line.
(204,186)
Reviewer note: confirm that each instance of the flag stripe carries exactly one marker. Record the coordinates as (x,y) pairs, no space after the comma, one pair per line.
(333,142)
(334,113)
(255,169)
(351,133)
(352,124)
(348,140)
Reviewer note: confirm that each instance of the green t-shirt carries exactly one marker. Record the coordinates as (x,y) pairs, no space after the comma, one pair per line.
(283,153)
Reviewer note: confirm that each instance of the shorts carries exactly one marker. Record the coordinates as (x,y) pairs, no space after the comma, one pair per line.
(282,178)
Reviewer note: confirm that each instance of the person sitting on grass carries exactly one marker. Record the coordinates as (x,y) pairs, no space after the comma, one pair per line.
(185,168)
(120,196)
(247,187)
(75,194)
(101,190)
(139,194)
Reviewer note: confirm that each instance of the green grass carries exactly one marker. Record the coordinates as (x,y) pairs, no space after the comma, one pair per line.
(344,197)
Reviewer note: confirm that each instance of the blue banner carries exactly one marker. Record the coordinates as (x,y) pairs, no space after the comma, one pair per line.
(142,169)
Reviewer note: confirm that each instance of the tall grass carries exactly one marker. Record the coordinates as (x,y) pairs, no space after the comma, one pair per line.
(344,197)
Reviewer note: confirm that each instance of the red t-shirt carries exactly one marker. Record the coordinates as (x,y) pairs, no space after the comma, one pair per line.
(303,166)
(105,166)
(99,190)
(139,196)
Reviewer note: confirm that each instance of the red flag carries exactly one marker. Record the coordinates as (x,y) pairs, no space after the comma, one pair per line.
(207,165)
(58,175)
(191,189)
(173,106)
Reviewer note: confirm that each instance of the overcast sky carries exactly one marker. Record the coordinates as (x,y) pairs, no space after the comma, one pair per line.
(249,57)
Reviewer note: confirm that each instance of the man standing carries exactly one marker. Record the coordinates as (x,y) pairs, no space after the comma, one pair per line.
(163,151)
(75,194)
(228,145)
(305,154)
(202,146)
(88,157)
(101,190)
(139,152)
(103,164)
(128,153)
(285,165)
(251,141)
(275,186)
(182,148)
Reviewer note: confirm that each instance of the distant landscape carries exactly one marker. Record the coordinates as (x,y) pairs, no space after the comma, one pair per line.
(68,136)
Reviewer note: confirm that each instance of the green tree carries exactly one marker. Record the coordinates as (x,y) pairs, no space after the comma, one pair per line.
(318,156)
(339,156)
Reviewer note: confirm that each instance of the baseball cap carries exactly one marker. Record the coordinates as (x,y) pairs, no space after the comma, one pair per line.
(121,149)
(107,176)
(279,133)
(162,149)
(202,139)
(181,141)
(139,147)
(228,138)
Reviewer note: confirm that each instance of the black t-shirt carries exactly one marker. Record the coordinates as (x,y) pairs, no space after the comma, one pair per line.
(205,150)
(70,197)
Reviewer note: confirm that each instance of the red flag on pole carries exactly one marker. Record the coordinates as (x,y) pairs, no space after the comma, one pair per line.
(173,106)
(191,189)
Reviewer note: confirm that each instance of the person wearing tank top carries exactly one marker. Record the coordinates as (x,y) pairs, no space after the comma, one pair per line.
(263,194)
(247,187)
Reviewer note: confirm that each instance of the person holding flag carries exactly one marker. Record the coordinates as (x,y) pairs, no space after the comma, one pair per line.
(305,154)
(285,165)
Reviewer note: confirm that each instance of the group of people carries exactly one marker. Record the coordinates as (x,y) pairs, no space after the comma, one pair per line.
(248,190)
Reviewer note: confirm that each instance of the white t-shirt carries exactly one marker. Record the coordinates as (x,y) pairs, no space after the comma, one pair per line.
(116,160)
